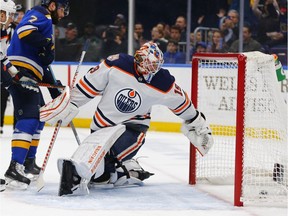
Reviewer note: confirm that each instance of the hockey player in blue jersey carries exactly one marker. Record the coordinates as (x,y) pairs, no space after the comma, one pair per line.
(129,86)
(31,52)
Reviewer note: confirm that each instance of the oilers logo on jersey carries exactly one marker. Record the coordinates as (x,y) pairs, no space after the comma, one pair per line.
(127,100)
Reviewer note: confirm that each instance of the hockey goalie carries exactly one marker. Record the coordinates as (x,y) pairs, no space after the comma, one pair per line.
(129,86)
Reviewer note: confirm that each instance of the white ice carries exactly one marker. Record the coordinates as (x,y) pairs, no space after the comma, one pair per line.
(167,193)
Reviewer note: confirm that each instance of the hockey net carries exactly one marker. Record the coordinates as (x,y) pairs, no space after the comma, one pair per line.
(242,101)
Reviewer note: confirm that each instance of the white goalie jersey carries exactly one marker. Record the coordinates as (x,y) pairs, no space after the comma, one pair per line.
(126,97)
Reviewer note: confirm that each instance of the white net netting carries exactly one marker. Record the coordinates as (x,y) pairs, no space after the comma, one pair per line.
(265,126)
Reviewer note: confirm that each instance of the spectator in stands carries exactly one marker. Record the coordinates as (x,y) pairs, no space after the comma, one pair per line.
(123,34)
(68,48)
(119,19)
(139,35)
(181,22)
(93,54)
(121,23)
(249,16)
(59,32)
(233,15)
(172,55)
(198,38)
(276,37)
(112,42)
(217,45)
(268,19)
(226,27)
(211,20)
(175,33)
(200,47)
(267,6)
(161,28)
(165,28)
(249,44)
(194,40)
(157,37)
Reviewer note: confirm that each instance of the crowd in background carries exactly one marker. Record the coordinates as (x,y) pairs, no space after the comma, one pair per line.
(265,30)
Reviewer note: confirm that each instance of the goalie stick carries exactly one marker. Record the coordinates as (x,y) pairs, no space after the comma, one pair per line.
(71,123)
(40,181)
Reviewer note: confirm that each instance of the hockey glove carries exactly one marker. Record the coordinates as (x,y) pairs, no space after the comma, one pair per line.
(10,68)
(199,133)
(8,71)
(47,54)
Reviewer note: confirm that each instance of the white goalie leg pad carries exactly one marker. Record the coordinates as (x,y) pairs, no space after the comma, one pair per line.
(199,133)
(59,109)
(89,157)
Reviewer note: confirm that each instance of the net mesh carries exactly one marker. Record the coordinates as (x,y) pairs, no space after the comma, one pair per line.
(265,126)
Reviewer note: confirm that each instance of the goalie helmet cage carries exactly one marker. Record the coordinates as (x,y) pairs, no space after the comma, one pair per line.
(241,99)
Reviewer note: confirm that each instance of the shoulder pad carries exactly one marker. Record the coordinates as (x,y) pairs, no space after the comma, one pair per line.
(163,80)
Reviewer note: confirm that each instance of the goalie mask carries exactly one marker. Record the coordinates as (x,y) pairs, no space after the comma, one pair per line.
(9,7)
(61,5)
(149,60)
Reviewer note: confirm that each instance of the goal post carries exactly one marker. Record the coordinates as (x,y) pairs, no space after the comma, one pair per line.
(241,98)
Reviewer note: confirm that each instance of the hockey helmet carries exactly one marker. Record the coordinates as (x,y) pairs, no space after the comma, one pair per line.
(9,7)
(149,60)
(59,3)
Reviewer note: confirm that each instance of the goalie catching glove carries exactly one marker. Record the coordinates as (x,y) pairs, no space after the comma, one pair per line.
(199,133)
(59,108)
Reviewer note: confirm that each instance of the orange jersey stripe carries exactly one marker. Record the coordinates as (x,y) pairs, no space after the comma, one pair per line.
(184,105)
(132,148)
(87,88)
(99,119)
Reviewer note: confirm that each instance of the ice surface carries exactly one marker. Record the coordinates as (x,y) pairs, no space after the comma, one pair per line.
(166,193)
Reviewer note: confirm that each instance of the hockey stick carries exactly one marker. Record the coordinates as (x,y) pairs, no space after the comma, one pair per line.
(75,133)
(40,180)
(71,123)
(48,85)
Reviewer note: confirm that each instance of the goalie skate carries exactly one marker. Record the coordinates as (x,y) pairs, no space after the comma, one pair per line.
(128,173)
(131,173)
(71,182)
